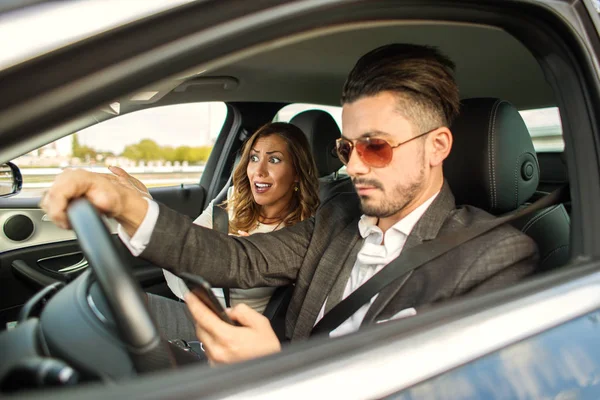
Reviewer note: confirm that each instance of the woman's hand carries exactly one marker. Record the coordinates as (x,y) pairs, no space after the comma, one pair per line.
(127,180)
(112,198)
(225,343)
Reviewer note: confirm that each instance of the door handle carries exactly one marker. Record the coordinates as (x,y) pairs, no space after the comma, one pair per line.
(75,267)
(65,264)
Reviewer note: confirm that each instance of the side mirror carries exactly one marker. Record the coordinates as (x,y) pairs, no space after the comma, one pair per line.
(11,180)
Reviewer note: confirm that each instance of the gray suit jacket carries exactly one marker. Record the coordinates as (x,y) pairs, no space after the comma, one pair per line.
(311,254)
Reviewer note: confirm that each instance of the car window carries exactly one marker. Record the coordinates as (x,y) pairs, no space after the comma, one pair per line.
(67,22)
(545,129)
(291,110)
(543,123)
(162,146)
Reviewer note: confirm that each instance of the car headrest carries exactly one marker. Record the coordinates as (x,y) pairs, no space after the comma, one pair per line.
(493,164)
(321,130)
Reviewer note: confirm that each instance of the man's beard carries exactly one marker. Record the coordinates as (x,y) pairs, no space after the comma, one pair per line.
(400,197)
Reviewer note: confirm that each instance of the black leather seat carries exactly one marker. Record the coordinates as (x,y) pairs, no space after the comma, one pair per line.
(493,166)
(322,131)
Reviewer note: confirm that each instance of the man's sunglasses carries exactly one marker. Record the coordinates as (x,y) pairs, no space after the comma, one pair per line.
(374,152)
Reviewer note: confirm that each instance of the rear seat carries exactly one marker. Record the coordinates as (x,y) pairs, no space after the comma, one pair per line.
(322,131)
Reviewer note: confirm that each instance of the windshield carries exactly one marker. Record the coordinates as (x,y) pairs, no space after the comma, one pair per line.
(49,26)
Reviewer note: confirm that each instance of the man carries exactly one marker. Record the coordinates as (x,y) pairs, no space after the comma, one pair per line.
(398,102)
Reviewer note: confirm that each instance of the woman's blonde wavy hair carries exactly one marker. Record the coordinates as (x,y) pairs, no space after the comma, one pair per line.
(305,201)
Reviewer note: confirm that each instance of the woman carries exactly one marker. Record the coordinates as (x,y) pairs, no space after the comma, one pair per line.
(274,185)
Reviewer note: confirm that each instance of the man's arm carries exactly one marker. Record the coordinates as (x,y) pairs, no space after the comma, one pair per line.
(271,259)
(177,244)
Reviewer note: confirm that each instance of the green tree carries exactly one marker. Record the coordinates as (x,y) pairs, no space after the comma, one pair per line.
(182,153)
(204,153)
(168,154)
(75,145)
(148,150)
(82,152)
(192,155)
(145,150)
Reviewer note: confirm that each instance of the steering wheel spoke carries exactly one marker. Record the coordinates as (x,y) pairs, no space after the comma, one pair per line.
(122,292)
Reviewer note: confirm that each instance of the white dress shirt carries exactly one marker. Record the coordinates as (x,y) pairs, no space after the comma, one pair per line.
(138,242)
(375,254)
(372,257)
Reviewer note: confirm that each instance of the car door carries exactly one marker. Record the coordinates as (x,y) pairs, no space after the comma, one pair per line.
(166,148)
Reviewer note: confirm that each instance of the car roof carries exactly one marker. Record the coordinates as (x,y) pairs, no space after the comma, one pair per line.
(312,68)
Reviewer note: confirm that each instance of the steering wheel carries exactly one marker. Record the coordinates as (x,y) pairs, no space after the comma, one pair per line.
(120,289)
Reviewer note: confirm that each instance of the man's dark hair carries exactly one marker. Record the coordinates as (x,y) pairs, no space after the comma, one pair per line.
(421,76)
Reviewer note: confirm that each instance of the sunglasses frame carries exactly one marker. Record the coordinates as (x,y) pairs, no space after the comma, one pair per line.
(352,147)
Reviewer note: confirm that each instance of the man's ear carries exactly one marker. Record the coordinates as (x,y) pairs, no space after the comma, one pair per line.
(441,144)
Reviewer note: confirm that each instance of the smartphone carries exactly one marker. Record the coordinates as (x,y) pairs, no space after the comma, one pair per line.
(203,291)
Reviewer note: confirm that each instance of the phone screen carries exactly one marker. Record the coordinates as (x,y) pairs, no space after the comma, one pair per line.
(203,291)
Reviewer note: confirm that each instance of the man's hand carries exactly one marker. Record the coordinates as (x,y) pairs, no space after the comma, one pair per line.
(125,204)
(125,179)
(224,343)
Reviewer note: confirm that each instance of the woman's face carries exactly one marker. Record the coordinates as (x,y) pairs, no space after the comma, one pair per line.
(271,172)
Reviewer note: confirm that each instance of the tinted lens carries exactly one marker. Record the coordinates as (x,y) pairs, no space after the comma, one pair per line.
(374,152)
(344,148)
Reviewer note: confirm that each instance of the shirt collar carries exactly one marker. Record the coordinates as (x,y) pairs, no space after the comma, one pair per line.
(368,224)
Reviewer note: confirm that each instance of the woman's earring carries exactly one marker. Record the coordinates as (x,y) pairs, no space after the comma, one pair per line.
(296,188)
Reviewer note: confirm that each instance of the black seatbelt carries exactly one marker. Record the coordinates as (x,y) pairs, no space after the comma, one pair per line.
(220,219)
(220,222)
(420,255)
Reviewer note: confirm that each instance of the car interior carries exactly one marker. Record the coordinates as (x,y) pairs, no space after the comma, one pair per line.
(493,165)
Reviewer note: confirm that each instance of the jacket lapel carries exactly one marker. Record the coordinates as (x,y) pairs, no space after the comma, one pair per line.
(325,275)
(426,229)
